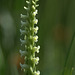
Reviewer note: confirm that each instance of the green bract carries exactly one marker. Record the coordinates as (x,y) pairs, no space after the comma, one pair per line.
(29,31)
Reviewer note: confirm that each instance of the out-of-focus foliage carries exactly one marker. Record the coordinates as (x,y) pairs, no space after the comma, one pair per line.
(56,28)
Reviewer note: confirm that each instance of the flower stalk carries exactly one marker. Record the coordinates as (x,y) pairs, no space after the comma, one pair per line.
(29,31)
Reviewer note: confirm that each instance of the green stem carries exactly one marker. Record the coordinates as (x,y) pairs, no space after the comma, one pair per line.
(69,49)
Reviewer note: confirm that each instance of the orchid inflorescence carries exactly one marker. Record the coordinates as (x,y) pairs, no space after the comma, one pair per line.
(29,31)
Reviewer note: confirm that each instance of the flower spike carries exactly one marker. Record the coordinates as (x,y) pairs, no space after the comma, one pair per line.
(29,32)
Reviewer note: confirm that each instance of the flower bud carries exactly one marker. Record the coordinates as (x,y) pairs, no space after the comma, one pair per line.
(37,5)
(33,7)
(27,2)
(27,8)
(33,2)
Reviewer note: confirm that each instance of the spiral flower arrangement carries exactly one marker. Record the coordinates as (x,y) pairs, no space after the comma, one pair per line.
(29,31)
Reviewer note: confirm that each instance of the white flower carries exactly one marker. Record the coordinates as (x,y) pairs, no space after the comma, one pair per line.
(35,21)
(34,13)
(23,53)
(24,16)
(25,8)
(35,60)
(37,73)
(24,23)
(23,31)
(24,66)
(36,29)
(36,49)
(23,42)
(35,38)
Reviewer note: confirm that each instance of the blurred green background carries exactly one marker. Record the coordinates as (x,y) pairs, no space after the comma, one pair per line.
(56,28)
